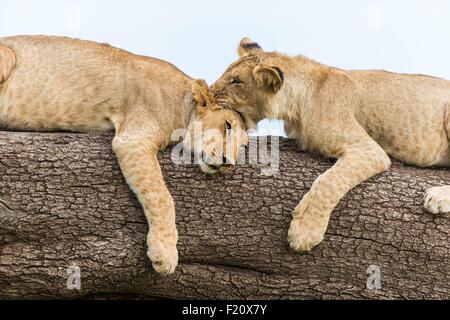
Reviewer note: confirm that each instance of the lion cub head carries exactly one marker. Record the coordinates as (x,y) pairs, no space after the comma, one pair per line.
(216,133)
(248,84)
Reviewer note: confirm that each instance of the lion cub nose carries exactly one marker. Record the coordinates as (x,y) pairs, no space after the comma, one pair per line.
(224,164)
(228,162)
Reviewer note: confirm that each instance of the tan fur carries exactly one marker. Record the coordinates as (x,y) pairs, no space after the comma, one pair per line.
(358,117)
(7,63)
(52,83)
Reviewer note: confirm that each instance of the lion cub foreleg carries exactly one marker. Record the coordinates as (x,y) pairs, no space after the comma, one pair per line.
(358,163)
(138,160)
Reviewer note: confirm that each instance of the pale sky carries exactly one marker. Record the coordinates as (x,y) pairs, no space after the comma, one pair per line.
(200,36)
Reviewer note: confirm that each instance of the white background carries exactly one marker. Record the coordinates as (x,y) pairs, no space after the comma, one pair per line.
(201,37)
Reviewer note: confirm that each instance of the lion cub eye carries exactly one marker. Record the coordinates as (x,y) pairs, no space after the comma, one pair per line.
(235,81)
(228,126)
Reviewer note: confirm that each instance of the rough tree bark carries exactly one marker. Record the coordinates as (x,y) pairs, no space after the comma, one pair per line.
(63,202)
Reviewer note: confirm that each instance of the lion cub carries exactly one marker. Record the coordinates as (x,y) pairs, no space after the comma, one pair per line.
(358,117)
(51,83)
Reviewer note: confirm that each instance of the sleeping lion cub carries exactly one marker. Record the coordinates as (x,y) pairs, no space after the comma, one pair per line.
(51,83)
(359,117)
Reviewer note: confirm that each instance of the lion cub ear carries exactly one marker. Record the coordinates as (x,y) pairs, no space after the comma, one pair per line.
(202,95)
(248,46)
(269,78)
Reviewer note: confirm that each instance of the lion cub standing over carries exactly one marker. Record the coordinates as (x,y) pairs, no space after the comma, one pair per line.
(51,83)
(358,117)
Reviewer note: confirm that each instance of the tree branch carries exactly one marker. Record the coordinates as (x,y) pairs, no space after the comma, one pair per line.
(63,202)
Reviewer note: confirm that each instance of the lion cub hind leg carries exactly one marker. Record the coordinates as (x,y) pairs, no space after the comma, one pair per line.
(437,200)
(138,160)
(7,62)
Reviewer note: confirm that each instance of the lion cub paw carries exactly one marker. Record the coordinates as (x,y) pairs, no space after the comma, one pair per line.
(164,257)
(308,226)
(303,237)
(437,200)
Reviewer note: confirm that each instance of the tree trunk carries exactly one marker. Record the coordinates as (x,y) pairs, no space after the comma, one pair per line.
(64,204)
